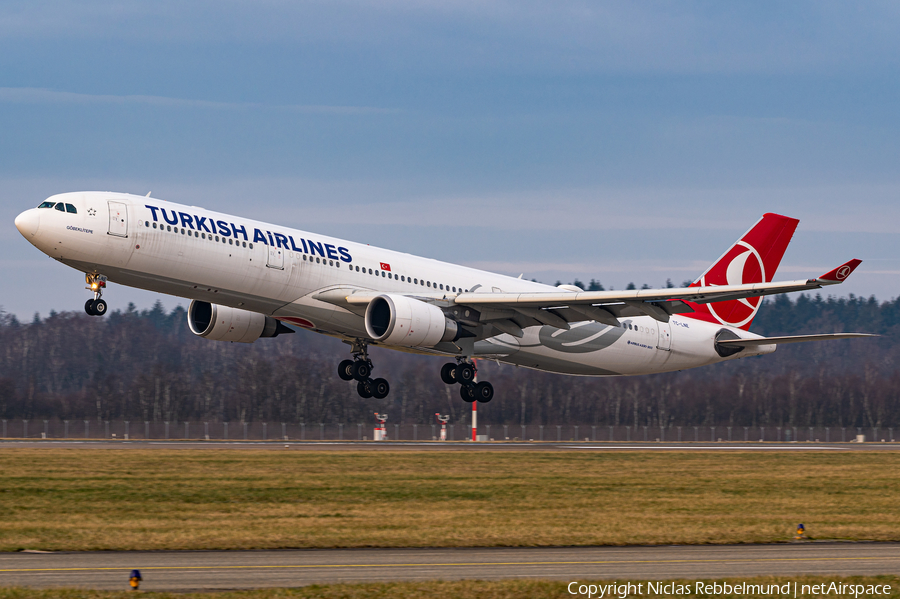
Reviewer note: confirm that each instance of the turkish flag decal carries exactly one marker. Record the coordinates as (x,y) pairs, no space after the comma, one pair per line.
(386,266)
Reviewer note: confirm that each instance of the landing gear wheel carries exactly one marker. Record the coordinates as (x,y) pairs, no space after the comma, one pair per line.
(100,307)
(484,392)
(361,370)
(364,388)
(467,392)
(345,370)
(448,373)
(380,388)
(89,308)
(465,373)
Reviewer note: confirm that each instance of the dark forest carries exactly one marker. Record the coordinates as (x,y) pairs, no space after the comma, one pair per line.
(146,365)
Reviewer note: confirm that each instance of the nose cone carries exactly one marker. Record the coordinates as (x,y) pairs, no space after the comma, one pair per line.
(28,222)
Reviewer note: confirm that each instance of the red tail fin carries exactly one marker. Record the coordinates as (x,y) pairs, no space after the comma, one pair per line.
(752,259)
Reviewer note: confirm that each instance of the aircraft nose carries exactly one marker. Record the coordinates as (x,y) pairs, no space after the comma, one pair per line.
(28,222)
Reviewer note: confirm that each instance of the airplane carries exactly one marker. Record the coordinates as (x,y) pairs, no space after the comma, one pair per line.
(249,280)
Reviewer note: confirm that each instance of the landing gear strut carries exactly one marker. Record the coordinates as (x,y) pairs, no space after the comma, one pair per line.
(463,372)
(359,369)
(96,283)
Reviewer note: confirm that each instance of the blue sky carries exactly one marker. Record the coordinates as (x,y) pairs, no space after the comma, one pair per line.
(616,141)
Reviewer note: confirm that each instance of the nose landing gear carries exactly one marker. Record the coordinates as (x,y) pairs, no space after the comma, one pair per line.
(359,369)
(96,283)
(464,373)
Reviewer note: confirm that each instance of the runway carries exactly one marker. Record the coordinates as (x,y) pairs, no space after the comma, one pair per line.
(451,445)
(218,570)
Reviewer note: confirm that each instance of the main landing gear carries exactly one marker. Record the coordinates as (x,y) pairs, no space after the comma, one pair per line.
(359,369)
(96,283)
(464,373)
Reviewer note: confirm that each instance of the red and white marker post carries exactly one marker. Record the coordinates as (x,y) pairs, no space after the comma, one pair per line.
(380,431)
(475,406)
(443,420)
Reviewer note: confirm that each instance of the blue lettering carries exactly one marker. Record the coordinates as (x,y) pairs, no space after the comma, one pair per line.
(153,209)
(345,255)
(316,248)
(186,220)
(330,250)
(271,241)
(242,231)
(294,245)
(259,237)
(224,231)
(174,220)
(281,241)
(201,223)
(303,241)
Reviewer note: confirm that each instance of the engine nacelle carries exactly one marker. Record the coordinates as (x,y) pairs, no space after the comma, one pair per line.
(221,323)
(400,320)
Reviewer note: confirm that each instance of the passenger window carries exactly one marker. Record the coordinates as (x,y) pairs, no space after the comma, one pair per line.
(389,276)
(416,281)
(382,274)
(182,231)
(154,225)
(330,263)
(454,290)
(217,239)
(402,279)
(61,207)
(245,243)
(251,245)
(169,228)
(47,205)
(317,260)
(230,242)
(428,284)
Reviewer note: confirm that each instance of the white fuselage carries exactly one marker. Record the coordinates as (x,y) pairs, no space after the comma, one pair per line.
(194,253)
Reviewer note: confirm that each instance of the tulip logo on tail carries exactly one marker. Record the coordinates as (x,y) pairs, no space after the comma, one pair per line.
(745,266)
(754,258)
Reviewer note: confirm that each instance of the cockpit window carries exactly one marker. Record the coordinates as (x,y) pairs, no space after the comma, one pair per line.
(71,209)
(61,207)
(47,205)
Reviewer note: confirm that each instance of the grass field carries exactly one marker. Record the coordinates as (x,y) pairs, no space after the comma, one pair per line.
(507,589)
(108,499)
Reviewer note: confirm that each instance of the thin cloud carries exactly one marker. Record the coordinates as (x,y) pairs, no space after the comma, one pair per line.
(38,95)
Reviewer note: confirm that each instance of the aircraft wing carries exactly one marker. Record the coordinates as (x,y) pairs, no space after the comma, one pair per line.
(604,306)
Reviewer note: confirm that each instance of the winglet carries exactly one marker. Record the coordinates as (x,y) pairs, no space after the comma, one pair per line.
(840,273)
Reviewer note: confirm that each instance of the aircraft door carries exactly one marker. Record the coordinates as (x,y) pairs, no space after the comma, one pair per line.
(665,336)
(276,258)
(118,219)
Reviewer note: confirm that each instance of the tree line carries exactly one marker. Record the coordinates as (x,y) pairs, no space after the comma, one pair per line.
(146,365)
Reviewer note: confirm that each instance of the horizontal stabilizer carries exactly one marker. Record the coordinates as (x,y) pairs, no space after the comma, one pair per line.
(792,339)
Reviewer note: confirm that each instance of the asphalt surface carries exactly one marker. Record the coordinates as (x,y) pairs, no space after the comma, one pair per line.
(455,445)
(218,570)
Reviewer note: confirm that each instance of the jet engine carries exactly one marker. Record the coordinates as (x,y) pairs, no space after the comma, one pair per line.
(399,320)
(221,323)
